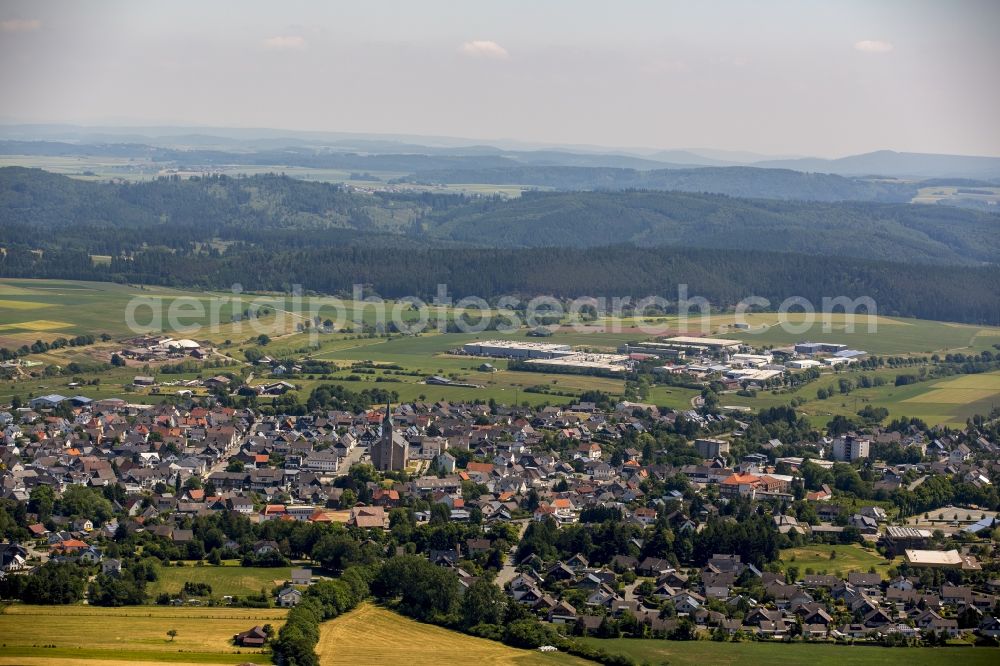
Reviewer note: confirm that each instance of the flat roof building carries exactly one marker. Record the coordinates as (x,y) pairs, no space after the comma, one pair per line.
(615,363)
(708,344)
(818,347)
(516,349)
(941,559)
(661,349)
(849,449)
(711,448)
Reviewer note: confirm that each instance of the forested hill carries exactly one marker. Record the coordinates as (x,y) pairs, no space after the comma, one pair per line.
(896,232)
(270,232)
(732,181)
(111,218)
(951,293)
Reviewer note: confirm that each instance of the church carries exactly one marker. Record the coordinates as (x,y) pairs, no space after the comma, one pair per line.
(390,452)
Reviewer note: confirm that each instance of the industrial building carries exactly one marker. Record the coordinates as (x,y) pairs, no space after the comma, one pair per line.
(802,364)
(818,348)
(517,349)
(688,343)
(583,363)
(753,374)
(750,360)
(660,349)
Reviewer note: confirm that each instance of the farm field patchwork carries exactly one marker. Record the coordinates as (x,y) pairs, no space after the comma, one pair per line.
(87,634)
(21,305)
(894,336)
(36,325)
(373,635)
(947,401)
(73,308)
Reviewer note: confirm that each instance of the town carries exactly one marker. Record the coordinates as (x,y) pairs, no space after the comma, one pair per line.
(591,519)
(500,333)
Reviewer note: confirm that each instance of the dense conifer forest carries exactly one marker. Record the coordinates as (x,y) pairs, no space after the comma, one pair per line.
(271,232)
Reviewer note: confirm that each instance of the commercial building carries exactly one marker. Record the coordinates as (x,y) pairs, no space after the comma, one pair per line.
(517,349)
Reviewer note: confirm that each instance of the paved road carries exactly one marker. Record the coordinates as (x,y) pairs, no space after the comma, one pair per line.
(356,455)
(508,572)
(630,590)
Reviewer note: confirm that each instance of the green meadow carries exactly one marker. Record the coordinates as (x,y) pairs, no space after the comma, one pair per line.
(47,309)
(839,560)
(700,653)
(225,580)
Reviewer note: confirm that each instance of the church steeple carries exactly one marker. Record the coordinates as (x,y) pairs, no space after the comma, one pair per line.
(390,453)
(387,419)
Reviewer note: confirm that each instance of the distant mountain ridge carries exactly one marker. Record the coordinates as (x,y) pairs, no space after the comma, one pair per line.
(736,181)
(900,165)
(884,163)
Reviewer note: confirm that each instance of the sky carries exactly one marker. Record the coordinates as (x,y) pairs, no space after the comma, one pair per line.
(768,76)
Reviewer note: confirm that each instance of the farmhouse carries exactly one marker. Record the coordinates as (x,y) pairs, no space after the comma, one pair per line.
(289,597)
(254,637)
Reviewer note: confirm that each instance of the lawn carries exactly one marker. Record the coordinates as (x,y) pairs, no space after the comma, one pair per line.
(64,634)
(704,653)
(225,580)
(373,635)
(849,558)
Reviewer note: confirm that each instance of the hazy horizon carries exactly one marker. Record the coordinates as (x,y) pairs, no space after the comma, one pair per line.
(774,78)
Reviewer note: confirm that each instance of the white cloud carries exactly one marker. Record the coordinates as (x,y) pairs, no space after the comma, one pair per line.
(485,48)
(873,46)
(20,25)
(285,43)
